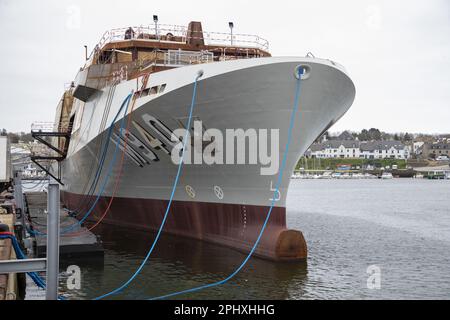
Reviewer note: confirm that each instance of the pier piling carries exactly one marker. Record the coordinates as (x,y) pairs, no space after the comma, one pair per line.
(52,241)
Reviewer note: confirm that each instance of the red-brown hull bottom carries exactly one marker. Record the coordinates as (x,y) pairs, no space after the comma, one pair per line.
(233,225)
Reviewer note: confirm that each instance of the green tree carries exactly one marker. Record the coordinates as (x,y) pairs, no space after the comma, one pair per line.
(375,134)
(13,137)
(386,136)
(364,135)
(407,137)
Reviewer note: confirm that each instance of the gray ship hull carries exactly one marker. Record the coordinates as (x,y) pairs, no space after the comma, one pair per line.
(221,203)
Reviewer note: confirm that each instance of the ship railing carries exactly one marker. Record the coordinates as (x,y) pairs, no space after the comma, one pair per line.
(181,57)
(51,144)
(176,33)
(170,59)
(42,126)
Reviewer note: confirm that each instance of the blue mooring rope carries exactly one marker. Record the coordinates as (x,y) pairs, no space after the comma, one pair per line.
(239,268)
(180,166)
(103,152)
(111,165)
(280,175)
(37,279)
(20,255)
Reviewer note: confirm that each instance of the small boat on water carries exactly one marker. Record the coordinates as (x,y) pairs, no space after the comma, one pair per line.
(437,175)
(336,175)
(387,175)
(296,176)
(326,175)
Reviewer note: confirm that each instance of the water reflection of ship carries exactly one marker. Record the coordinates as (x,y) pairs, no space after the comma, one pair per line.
(181,262)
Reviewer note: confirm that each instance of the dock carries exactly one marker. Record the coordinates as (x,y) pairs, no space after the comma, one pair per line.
(78,243)
(8,282)
(20,212)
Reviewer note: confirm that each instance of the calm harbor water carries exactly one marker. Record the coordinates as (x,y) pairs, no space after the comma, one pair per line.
(400,225)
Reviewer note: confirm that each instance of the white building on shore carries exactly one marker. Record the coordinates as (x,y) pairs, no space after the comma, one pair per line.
(357,149)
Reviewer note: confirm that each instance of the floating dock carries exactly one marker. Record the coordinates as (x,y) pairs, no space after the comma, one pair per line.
(76,244)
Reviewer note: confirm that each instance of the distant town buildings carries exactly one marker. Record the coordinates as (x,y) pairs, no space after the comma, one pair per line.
(417,147)
(436,149)
(360,149)
(376,144)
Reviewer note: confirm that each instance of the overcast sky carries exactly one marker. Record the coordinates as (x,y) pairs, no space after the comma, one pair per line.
(397,52)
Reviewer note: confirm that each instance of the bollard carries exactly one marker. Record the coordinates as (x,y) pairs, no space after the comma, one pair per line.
(52,240)
(18,196)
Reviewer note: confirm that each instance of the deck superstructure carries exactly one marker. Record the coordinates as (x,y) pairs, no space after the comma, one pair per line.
(127,53)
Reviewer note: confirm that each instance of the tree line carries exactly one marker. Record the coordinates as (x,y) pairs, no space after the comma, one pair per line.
(15,137)
(372,134)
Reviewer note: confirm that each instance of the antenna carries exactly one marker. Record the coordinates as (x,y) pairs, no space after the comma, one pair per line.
(231,25)
(155,20)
